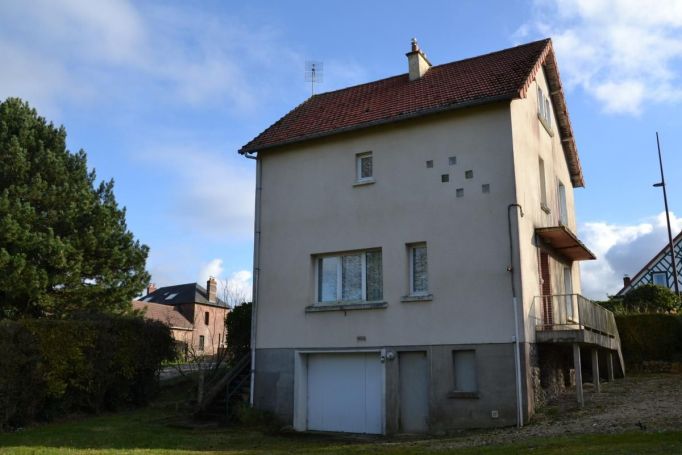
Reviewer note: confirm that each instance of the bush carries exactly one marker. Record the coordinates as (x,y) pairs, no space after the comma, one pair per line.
(650,337)
(55,367)
(239,331)
(650,298)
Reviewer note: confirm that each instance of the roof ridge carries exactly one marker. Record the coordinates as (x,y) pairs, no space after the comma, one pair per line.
(475,57)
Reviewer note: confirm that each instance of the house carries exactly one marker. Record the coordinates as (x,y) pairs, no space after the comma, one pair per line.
(195,315)
(416,262)
(658,270)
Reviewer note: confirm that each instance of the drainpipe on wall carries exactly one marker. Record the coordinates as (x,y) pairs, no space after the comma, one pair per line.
(256,270)
(517,355)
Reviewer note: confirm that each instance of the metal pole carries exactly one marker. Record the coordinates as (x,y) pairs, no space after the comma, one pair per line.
(517,354)
(667,217)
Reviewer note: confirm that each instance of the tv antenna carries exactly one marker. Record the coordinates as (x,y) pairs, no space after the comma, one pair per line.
(314,72)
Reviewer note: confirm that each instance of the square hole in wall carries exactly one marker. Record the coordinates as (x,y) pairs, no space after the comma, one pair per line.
(429,163)
(459,192)
(445,178)
(485,187)
(452,160)
(469,174)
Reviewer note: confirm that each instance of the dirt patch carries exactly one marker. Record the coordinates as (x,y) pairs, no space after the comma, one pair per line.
(642,402)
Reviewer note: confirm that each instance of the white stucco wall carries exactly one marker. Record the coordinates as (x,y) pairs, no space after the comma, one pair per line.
(310,206)
(531,142)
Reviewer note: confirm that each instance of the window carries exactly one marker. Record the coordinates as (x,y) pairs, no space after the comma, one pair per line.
(363,166)
(350,277)
(660,279)
(563,211)
(485,188)
(464,364)
(201,342)
(419,279)
(452,160)
(543,186)
(459,192)
(469,174)
(429,164)
(445,178)
(544,109)
(206,318)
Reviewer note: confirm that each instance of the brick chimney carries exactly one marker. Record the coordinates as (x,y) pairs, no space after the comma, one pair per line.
(151,287)
(626,281)
(417,62)
(212,290)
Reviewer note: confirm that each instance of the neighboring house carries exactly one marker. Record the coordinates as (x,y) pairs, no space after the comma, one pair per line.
(658,271)
(195,315)
(386,216)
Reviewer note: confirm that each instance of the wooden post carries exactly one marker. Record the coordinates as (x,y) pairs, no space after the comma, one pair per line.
(595,370)
(609,365)
(578,375)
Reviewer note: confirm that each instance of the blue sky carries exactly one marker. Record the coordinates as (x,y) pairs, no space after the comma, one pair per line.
(162,94)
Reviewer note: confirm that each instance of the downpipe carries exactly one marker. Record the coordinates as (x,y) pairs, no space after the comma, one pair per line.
(256,273)
(517,346)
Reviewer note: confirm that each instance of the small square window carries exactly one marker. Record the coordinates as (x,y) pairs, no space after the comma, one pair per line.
(485,187)
(445,178)
(464,365)
(452,160)
(363,166)
(429,164)
(469,174)
(459,192)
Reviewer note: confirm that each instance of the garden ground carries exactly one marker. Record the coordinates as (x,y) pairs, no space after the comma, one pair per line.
(639,414)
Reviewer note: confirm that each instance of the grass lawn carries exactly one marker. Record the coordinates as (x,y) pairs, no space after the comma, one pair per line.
(154,430)
(148,431)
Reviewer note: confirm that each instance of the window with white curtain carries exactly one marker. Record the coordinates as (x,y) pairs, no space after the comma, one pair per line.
(350,277)
(419,278)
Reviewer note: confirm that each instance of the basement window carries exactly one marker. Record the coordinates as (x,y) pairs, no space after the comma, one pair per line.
(464,374)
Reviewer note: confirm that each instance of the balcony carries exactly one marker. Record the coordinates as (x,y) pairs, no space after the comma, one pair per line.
(571,318)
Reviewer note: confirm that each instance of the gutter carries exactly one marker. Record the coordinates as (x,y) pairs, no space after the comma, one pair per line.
(256,270)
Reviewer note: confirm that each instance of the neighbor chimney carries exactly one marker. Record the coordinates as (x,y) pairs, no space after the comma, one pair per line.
(211,289)
(417,62)
(151,287)
(626,281)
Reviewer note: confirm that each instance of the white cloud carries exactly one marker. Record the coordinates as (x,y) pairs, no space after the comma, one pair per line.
(234,288)
(214,268)
(622,52)
(621,250)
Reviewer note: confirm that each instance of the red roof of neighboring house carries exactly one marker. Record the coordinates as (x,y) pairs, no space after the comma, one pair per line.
(501,75)
(167,314)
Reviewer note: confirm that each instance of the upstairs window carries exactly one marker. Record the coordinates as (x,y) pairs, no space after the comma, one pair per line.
(206,317)
(563,210)
(660,279)
(544,109)
(363,167)
(352,277)
(543,186)
(419,278)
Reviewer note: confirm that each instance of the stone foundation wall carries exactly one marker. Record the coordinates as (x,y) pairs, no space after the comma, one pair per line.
(551,372)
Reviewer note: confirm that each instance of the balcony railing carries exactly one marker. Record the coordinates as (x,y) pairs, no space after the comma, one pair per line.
(572,312)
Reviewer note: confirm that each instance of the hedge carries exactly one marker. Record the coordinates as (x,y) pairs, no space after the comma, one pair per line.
(56,367)
(650,337)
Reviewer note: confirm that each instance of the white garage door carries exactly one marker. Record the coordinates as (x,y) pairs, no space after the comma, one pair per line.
(344,392)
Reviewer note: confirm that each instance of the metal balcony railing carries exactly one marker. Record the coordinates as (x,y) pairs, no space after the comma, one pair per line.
(572,312)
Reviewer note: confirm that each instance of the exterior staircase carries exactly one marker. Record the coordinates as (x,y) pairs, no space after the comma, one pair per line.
(225,395)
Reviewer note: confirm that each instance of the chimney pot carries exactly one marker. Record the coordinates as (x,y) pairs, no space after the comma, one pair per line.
(212,290)
(151,287)
(626,281)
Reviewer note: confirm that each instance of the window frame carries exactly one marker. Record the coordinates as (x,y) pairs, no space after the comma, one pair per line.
(659,273)
(457,391)
(358,167)
(410,258)
(318,258)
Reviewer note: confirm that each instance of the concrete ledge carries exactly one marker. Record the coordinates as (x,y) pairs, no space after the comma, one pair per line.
(416,298)
(346,307)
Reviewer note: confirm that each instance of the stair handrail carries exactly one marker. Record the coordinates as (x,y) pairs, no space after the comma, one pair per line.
(235,371)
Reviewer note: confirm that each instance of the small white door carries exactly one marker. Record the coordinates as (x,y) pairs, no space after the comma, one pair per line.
(568,290)
(345,392)
(414,392)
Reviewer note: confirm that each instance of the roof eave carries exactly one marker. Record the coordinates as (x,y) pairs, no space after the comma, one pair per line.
(422,113)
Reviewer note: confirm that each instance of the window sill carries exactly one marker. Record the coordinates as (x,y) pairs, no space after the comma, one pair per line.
(345,306)
(544,208)
(548,128)
(468,395)
(416,298)
(364,182)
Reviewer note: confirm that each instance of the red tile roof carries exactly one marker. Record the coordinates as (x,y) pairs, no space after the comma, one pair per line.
(487,78)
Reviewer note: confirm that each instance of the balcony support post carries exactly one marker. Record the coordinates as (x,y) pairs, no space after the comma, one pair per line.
(609,365)
(578,375)
(595,370)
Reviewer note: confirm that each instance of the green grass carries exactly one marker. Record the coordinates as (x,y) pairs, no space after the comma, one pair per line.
(155,430)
